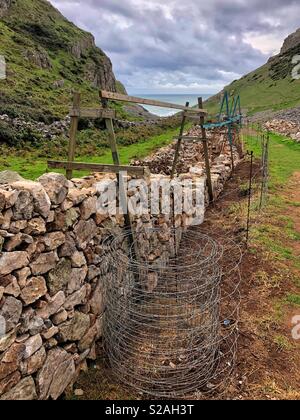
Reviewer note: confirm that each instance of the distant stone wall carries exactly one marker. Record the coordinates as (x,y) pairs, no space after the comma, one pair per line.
(62,127)
(54,265)
(191,161)
(285,128)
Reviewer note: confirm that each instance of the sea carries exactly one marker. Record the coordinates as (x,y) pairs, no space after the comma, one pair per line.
(179,99)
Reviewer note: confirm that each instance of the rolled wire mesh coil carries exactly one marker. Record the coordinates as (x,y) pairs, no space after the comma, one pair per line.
(165,330)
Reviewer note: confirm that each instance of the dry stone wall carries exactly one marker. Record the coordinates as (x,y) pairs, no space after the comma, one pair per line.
(191,160)
(54,264)
(287,128)
(62,127)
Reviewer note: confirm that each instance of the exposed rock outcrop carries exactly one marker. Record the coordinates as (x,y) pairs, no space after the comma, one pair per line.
(100,74)
(80,47)
(273,84)
(98,68)
(39,58)
(291,41)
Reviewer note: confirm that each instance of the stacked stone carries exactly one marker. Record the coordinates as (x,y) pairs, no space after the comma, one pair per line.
(221,169)
(51,131)
(62,127)
(52,270)
(161,162)
(53,267)
(287,128)
(54,264)
(191,158)
(191,162)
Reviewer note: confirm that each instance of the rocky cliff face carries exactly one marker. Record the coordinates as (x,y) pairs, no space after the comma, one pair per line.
(98,69)
(34,36)
(291,42)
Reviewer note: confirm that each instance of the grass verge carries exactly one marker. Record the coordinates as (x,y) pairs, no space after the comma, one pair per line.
(31,165)
(275,230)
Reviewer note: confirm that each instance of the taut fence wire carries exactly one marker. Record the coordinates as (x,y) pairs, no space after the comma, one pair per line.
(171,326)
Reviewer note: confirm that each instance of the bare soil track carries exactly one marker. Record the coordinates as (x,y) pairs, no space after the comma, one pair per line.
(265,370)
(267,367)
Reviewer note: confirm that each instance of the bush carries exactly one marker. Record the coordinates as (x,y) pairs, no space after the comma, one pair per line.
(13,136)
(84,124)
(8,135)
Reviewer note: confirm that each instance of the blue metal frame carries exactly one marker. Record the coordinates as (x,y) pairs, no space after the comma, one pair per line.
(232,120)
(225,102)
(231,114)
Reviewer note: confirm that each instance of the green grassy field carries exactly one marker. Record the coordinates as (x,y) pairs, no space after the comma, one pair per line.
(30,165)
(274,230)
(284,157)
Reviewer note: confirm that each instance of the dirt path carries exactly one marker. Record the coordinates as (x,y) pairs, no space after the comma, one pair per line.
(268,358)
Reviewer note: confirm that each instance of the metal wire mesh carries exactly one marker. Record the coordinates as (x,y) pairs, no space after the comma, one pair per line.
(171,324)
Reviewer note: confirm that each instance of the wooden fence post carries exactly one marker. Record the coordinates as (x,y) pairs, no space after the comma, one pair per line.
(73,132)
(121,184)
(206,154)
(178,146)
(116,159)
(230,138)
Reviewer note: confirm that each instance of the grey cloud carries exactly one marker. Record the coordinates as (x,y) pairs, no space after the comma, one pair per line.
(175,42)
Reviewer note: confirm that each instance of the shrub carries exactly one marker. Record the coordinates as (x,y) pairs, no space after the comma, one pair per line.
(13,136)
(8,134)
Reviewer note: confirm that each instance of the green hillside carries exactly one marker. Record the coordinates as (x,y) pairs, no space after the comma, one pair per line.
(271,87)
(47,58)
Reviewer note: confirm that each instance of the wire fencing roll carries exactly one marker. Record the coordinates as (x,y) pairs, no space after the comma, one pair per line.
(170,326)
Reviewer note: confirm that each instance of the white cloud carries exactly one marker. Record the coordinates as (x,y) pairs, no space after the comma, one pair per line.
(269,44)
(186,45)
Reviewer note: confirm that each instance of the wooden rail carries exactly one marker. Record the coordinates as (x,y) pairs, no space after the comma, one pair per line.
(92,113)
(140,171)
(125,98)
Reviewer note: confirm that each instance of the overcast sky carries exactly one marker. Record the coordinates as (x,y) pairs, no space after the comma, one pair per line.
(194,46)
